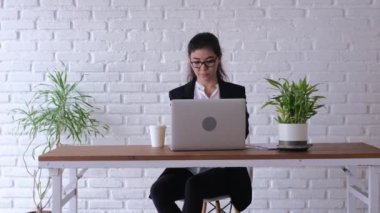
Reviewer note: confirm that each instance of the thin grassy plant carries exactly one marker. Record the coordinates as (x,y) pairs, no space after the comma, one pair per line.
(58,111)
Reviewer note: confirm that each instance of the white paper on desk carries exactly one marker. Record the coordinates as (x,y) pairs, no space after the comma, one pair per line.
(262,146)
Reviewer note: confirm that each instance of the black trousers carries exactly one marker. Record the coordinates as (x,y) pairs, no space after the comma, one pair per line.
(179,183)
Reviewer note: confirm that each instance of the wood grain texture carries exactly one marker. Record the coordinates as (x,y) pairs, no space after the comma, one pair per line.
(146,152)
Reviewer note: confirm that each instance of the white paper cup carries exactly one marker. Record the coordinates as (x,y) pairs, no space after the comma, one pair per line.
(157,135)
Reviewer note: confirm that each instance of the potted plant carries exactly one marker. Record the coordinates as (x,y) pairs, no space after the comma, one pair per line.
(57,111)
(295,104)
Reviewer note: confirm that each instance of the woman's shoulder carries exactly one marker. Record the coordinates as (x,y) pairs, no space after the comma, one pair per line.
(232,86)
(177,90)
(231,90)
(182,92)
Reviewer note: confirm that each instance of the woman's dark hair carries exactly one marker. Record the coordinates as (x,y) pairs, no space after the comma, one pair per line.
(208,41)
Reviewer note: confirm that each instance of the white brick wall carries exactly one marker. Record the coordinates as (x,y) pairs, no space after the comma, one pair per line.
(134,51)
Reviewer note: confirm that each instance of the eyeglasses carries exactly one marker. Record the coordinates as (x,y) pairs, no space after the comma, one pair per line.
(198,64)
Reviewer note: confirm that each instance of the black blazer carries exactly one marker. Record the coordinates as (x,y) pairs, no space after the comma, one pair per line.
(239,182)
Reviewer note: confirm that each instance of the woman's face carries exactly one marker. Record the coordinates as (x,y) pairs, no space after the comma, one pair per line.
(204,63)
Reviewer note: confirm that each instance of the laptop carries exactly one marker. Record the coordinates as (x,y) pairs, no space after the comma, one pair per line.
(208,124)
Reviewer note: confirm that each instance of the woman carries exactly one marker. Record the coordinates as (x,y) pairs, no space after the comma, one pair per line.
(195,184)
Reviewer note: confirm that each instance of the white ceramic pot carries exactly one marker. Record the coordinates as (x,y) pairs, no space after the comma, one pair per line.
(292,135)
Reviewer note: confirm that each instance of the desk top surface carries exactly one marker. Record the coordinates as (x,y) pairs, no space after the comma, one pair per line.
(146,153)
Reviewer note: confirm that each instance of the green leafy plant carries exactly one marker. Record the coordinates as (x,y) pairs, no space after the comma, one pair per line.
(295,104)
(57,110)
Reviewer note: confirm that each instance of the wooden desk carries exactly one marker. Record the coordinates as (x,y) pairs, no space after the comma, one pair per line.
(345,155)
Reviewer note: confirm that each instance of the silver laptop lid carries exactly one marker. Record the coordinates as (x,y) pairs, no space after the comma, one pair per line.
(208,124)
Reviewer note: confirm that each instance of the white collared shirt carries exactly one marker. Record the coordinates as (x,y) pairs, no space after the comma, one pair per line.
(200,94)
